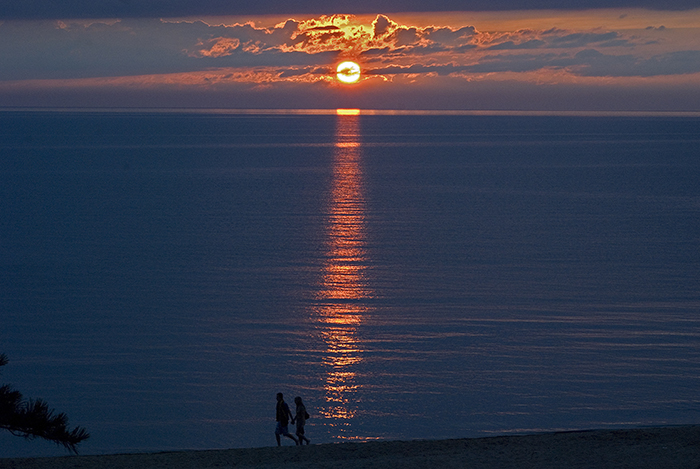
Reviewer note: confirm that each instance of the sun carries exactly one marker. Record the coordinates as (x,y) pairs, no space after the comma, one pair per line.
(348,72)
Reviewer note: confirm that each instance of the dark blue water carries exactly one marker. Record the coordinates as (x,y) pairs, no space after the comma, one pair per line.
(164,275)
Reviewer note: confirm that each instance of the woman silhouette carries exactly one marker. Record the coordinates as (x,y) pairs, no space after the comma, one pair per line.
(300,419)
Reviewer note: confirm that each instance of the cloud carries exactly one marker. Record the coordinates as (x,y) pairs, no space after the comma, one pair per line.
(445,69)
(51,49)
(450,37)
(217,47)
(517,63)
(307,50)
(51,9)
(381,26)
(59,49)
(586,63)
(584,39)
(555,39)
(510,45)
(592,63)
(407,91)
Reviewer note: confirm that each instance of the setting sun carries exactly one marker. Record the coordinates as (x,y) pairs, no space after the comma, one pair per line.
(348,72)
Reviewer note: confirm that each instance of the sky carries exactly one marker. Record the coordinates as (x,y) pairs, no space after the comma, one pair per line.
(591,55)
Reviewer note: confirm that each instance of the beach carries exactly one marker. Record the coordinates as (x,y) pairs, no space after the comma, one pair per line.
(652,448)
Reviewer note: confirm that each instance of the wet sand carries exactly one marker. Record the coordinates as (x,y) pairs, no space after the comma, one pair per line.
(652,448)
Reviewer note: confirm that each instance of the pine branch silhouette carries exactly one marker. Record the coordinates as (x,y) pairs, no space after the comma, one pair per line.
(34,419)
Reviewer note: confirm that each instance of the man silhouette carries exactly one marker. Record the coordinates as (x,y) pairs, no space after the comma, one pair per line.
(283,416)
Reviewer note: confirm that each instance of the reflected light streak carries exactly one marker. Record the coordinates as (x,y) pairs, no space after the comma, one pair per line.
(344,285)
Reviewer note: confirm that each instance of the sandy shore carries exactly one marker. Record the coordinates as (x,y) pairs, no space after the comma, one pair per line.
(652,448)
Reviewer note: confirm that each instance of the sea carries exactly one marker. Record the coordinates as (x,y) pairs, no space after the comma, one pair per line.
(409,275)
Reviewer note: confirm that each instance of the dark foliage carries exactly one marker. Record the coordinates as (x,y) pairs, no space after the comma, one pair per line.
(33,419)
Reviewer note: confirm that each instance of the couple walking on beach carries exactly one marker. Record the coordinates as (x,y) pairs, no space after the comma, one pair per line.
(283,417)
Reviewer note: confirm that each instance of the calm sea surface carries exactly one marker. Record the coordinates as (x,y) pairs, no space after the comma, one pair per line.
(164,275)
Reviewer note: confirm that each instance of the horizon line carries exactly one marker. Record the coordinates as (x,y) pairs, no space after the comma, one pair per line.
(357,111)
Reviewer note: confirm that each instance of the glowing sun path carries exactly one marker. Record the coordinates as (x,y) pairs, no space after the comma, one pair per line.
(344,286)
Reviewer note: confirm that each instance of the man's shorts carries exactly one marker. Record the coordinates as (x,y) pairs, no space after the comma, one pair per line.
(281,430)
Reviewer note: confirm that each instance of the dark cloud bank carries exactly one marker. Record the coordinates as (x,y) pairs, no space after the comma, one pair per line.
(46,9)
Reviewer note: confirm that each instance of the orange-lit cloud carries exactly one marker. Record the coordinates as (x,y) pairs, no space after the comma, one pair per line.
(218,47)
(148,53)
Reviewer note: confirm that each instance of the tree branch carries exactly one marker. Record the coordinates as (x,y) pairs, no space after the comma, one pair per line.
(34,419)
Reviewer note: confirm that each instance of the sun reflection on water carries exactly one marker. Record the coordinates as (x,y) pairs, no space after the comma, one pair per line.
(340,310)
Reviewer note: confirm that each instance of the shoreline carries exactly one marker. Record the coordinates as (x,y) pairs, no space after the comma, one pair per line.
(641,448)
